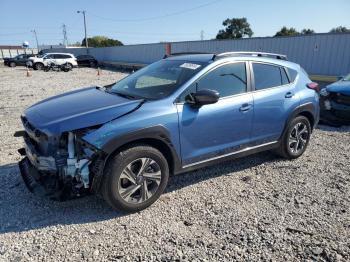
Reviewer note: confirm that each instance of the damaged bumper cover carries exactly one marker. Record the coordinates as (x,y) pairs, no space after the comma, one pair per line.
(57,175)
(334,112)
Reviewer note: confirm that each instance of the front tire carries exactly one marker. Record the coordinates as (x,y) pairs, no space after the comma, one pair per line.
(135,178)
(12,64)
(296,138)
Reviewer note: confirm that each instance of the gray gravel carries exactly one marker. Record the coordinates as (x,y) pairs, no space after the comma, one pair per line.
(257,208)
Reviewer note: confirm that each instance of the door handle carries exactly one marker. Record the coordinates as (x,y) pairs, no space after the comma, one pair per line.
(245,107)
(289,95)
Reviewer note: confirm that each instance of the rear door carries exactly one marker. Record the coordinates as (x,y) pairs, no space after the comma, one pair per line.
(59,59)
(21,59)
(215,130)
(274,99)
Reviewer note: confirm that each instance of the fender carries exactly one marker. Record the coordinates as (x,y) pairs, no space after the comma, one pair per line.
(156,133)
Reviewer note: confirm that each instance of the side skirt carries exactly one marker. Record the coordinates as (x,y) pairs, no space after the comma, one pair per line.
(237,154)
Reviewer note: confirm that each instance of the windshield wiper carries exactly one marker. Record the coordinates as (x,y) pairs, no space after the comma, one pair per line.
(108,90)
(121,94)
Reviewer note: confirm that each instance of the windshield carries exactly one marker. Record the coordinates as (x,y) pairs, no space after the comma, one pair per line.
(346,78)
(157,80)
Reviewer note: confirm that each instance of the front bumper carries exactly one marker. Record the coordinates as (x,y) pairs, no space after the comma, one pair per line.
(31,177)
(42,163)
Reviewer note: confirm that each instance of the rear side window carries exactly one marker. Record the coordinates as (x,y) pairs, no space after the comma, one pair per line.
(292,74)
(266,76)
(60,56)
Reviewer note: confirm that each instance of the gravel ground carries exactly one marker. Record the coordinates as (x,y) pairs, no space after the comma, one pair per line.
(257,208)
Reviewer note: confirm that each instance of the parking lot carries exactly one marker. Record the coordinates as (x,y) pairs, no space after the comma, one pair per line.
(257,208)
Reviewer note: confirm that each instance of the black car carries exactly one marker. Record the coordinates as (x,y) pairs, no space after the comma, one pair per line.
(335,102)
(19,60)
(87,60)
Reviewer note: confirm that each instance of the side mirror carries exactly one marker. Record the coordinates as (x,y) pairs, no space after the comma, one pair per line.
(204,97)
(339,78)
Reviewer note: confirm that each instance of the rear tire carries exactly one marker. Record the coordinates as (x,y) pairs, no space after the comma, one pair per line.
(12,64)
(38,66)
(135,178)
(295,138)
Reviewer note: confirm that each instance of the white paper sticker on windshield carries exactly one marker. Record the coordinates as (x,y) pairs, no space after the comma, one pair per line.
(190,66)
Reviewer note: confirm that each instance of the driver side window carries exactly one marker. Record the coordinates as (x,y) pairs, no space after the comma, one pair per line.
(228,80)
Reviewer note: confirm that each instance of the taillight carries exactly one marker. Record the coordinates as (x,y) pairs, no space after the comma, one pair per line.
(313,86)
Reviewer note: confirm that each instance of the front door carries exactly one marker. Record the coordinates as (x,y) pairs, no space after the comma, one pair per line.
(218,129)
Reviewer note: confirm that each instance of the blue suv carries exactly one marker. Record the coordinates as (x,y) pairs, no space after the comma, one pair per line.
(181,113)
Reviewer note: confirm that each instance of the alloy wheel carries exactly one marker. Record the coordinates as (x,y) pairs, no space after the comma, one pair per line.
(298,138)
(139,180)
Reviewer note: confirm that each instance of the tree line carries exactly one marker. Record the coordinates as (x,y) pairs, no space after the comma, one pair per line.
(236,28)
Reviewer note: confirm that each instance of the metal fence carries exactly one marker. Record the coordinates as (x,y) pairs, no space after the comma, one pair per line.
(14,52)
(321,54)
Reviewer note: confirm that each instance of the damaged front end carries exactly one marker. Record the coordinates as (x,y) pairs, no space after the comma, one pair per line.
(61,166)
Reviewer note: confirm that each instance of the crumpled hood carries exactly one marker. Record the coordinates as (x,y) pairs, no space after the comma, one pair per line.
(342,87)
(78,109)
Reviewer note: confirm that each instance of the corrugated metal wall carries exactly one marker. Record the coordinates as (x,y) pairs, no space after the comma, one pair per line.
(322,54)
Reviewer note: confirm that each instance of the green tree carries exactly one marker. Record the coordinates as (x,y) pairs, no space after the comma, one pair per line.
(340,29)
(235,28)
(101,41)
(307,31)
(285,31)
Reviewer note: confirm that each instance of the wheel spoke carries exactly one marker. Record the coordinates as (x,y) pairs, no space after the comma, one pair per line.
(126,193)
(145,194)
(295,147)
(146,162)
(303,130)
(156,176)
(303,141)
(129,175)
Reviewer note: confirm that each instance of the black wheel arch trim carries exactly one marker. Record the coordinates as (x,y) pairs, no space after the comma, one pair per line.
(155,133)
(304,109)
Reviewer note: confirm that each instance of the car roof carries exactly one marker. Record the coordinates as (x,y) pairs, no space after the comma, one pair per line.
(58,54)
(192,57)
(210,57)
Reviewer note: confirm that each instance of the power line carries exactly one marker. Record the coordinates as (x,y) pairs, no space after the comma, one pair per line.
(158,17)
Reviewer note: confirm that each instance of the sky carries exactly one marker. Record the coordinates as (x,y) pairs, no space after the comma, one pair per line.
(135,22)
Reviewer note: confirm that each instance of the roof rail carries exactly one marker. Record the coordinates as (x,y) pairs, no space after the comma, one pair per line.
(260,54)
(185,53)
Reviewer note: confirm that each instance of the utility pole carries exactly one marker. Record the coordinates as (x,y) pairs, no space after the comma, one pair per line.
(86,40)
(65,39)
(202,35)
(36,39)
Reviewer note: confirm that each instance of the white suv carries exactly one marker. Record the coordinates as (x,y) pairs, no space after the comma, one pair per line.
(38,62)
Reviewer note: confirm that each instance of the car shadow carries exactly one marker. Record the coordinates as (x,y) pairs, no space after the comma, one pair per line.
(328,128)
(21,210)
